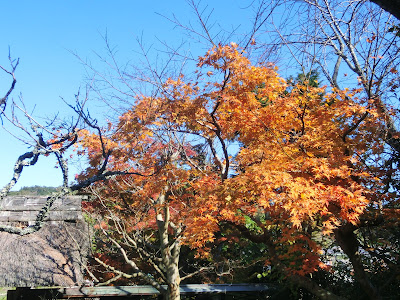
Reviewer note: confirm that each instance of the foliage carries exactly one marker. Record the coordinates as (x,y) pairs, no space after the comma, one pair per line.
(306,165)
(310,79)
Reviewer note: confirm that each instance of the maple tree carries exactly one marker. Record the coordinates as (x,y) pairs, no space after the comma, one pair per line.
(352,44)
(238,144)
(309,172)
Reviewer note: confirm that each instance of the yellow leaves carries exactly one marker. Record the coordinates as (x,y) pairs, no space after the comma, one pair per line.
(296,222)
(228,198)
(201,231)
(293,166)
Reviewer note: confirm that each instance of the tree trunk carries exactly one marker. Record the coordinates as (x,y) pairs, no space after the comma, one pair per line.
(170,251)
(173,292)
(347,240)
(174,279)
(173,276)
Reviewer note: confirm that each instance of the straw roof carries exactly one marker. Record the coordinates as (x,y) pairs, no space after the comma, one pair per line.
(53,256)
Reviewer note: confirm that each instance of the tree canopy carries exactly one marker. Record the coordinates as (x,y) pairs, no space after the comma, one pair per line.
(238,144)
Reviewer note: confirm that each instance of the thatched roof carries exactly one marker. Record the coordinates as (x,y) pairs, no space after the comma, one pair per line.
(53,256)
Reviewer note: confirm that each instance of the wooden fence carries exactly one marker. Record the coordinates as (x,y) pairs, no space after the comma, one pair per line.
(203,291)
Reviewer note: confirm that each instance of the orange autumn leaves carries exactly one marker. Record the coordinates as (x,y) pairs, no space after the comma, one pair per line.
(299,161)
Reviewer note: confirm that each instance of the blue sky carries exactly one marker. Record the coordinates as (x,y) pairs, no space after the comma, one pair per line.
(44,33)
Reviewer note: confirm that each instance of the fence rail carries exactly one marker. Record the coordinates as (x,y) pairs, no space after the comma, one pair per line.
(137,290)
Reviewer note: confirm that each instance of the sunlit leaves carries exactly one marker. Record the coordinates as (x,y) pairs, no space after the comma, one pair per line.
(298,166)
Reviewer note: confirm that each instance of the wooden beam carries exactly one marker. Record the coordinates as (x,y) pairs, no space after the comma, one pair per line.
(108,291)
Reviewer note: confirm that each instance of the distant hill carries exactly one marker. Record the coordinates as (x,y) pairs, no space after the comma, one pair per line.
(35,191)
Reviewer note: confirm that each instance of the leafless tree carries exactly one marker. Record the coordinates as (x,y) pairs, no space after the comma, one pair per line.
(51,138)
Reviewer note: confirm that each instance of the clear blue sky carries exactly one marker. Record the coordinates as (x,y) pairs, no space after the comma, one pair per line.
(43,34)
